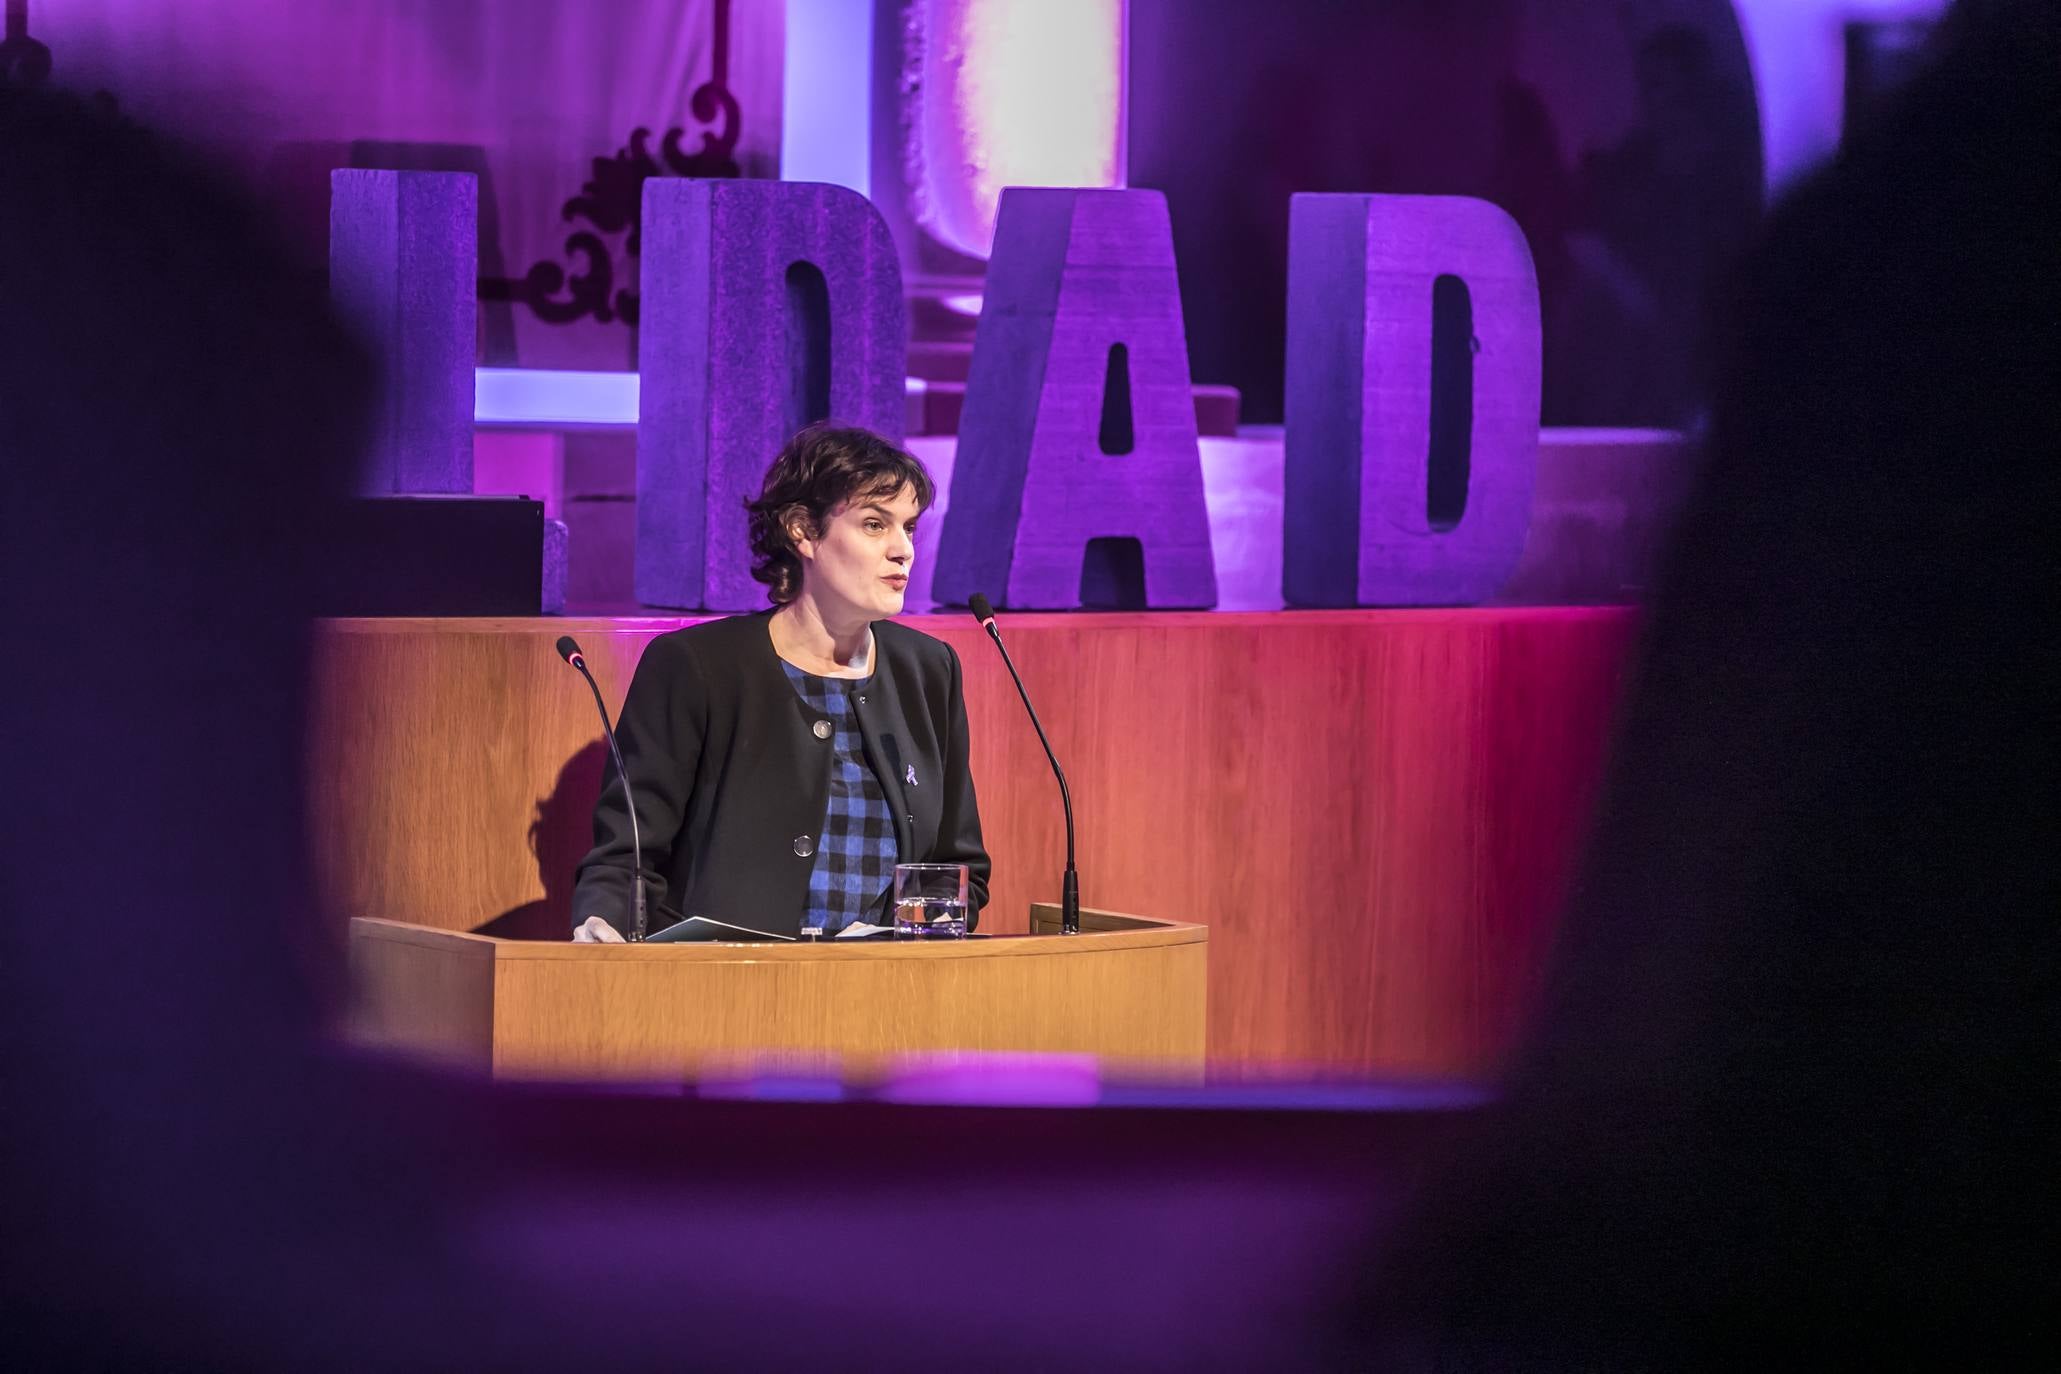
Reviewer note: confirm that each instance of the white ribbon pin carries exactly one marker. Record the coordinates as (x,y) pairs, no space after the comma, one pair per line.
(911,775)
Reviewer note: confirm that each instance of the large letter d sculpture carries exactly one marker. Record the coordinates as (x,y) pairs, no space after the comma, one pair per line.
(1413,400)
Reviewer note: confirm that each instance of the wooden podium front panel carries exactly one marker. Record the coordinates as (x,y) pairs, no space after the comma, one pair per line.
(1374,812)
(1133,995)
(639,1020)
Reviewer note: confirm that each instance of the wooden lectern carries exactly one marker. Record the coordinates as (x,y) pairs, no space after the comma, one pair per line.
(1128,989)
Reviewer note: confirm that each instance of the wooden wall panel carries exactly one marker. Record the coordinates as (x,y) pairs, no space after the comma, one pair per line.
(1375,812)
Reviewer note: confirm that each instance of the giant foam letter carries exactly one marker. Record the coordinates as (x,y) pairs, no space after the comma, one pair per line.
(403,270)
(1412,400)
(766,306)
(1078,477)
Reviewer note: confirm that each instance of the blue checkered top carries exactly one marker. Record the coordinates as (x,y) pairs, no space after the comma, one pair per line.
(855,853)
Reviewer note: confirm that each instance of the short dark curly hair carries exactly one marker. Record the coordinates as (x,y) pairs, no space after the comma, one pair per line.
(819,469)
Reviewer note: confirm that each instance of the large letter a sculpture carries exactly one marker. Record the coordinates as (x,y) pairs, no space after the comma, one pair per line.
(1079,477)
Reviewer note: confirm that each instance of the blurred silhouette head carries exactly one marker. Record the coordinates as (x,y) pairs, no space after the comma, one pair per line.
(181,410)
(1779,1088)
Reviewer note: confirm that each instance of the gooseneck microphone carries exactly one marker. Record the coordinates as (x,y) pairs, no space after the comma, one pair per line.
(1070,890)
(569,650)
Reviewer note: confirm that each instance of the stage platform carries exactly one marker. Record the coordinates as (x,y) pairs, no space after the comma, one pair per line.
(1374,812)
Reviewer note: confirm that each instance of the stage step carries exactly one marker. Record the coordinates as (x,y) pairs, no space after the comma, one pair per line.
(945,361)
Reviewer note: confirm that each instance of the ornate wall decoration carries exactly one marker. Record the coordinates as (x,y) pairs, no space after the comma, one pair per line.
(611,202)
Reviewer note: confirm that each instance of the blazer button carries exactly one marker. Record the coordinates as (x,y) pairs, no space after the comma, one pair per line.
(822,729)
(804,845)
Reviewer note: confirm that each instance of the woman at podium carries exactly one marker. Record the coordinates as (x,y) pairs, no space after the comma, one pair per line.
(784,762)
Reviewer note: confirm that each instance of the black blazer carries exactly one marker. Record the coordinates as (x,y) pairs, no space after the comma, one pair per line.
(733,782)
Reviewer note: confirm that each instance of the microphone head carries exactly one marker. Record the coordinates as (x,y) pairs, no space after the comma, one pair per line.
(983,610)
(569,650)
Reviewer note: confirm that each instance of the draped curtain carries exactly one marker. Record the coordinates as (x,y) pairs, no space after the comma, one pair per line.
(526,94)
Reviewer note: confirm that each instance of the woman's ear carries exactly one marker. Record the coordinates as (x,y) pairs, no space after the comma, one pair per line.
(801,531)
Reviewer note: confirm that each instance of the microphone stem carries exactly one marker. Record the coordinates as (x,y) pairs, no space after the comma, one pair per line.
(637,914)
(1070,889)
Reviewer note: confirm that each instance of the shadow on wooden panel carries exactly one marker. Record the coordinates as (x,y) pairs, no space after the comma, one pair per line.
(561,832)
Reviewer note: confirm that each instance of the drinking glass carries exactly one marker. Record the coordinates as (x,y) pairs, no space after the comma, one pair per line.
(930,901)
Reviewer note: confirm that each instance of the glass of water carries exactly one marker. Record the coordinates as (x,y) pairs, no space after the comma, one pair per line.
(930,901)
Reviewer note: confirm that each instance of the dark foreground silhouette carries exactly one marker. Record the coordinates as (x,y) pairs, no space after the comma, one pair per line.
(1783,1089)
(1782,1094)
